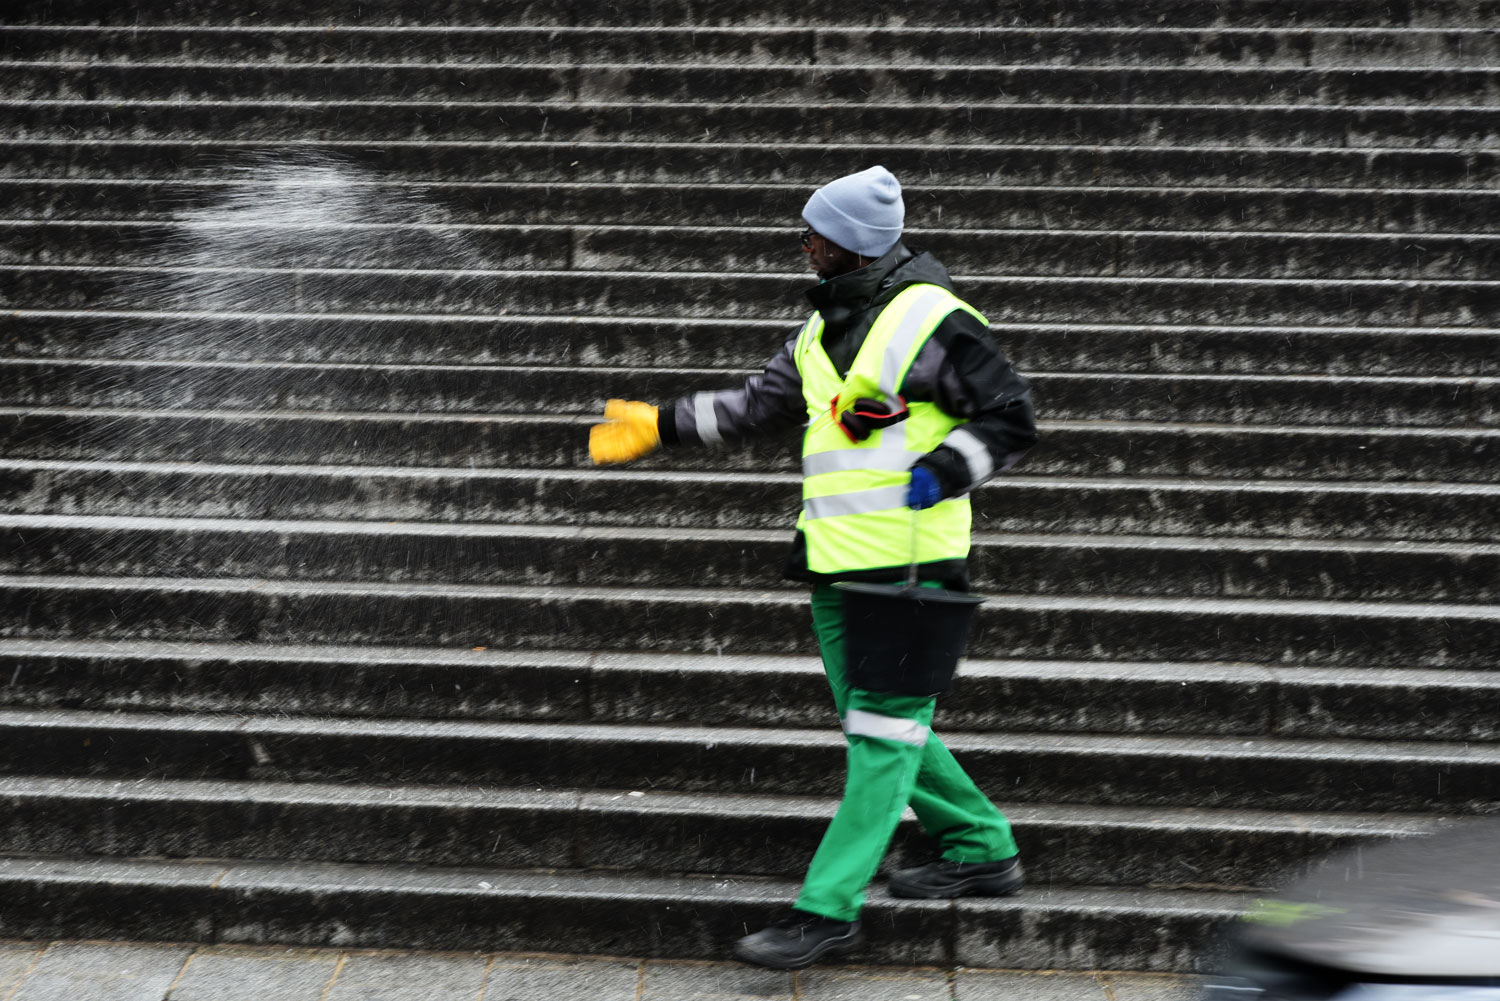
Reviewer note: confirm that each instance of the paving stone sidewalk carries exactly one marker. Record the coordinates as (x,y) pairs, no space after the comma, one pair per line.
(129,971)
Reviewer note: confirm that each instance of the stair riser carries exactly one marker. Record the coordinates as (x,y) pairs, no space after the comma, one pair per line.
(603,836)
(1446,404)
(775,161)
(692,204)
(781,46)
(768,622)
(797,84)
(566,691)
(236,906)
(599,560)
(465,916)
(797,121)
(1022,773)
(376,339)
(1040,13)
(522,248)
(521,45)
(1069,450)
(648,250)
(776,296)
(733,344)
(1061,508)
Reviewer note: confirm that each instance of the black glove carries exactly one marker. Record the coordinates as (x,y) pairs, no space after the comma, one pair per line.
(867,416)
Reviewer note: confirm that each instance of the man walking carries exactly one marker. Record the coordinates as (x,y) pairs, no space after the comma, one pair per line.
(909,406)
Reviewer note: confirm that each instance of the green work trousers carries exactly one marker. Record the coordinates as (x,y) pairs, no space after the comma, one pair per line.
(893,759)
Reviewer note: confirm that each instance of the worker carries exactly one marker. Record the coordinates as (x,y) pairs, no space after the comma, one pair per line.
(909,405)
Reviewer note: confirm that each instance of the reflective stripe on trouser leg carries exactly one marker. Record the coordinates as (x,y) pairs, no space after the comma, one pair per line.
(858,722)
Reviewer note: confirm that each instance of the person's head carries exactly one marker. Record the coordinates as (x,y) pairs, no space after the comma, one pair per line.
(852,221)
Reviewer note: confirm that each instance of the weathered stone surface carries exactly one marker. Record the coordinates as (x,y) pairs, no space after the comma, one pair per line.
(1007,933)
(1069,627)
(519,445)
(721,983)
(874,985)
(1247,578)
(107,898)
(1116,14)
(701,499)
(1230,399)
(505,828)
(829,44)
(222,975)
(84,215)
(1409,127)
(106,972)
(366,976)
(991,985)
(15,960)
(1127,770)
(807,165)
(712,83)
(1035,565)
(718,833)
(1148,988)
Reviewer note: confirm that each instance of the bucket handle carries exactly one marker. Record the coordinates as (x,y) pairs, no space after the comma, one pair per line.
(911,571)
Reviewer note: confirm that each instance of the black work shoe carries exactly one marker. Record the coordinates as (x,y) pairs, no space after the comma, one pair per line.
(797,940)
(943,879)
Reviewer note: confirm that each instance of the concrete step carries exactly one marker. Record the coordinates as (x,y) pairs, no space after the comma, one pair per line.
(1413,125)
(699,13)
(930,208)
(1072,448)
(645,82)
(827,45)
(718,620)
(383,339)
(727,690)
(677,247)
(1277,301)
(634,160)
(527,389)
(656,832)
(423,553)
(1410,512)
(454,908)
(1141,771)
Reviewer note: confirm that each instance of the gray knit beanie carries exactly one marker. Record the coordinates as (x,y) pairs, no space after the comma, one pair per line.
(860,212)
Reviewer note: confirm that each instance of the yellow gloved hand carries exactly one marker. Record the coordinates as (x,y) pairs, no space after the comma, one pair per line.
(629,432)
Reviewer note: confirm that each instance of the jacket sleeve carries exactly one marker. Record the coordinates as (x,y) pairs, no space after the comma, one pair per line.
(769,402)
(963,371)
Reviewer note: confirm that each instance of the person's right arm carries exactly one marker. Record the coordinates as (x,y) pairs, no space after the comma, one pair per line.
(769,402)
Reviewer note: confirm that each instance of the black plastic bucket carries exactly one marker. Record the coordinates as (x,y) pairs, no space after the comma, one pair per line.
(905,640)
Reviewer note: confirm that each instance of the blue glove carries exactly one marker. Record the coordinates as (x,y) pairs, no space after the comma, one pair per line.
(924,490)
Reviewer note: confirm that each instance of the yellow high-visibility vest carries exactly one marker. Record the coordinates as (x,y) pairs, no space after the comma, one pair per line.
(854,512)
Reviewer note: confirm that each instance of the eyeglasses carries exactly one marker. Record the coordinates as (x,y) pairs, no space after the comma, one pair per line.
(807,235)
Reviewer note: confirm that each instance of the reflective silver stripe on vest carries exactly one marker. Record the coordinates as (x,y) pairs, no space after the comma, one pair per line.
(865,724)
(857,502)
(975,454)
(905,335)
(841,460)
(703,417)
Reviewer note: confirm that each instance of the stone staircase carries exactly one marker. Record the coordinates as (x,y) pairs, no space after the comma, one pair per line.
(319,628)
